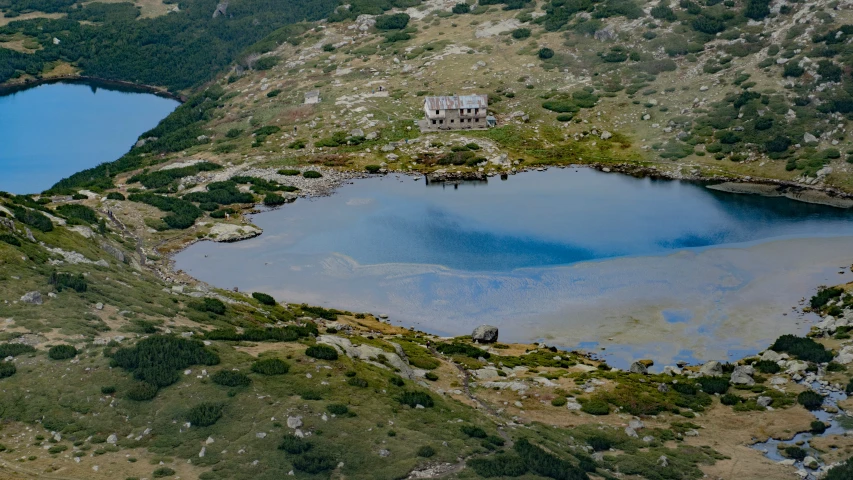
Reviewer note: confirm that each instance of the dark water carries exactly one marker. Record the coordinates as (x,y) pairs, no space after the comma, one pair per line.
(52,131)
(570,256)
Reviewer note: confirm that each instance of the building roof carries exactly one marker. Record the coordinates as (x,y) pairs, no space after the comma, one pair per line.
(456,102)
(312,93)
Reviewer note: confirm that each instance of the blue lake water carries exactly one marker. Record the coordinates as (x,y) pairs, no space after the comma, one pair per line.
(54,130)
(574,257)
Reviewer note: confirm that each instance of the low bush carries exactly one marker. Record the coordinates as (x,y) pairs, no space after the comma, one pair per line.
(397,21)
(811,400)
(142,391)
(270,366)
(14,349)
(766,366)
(230,378)
(559,401)
(62,352)
(322,352)
(473,431)
(823,296)
(500,465)
(32,218)
(211,305)
(314,463)
(595,406)
(599,443)
(115,196)
(413,399)
(163,472)
(545,53)
(431,376)
(108,390)
(796,453)
(274,200)
(730,399)
(818,427)
(289,172)
(312,174)
(841,472)
(294,445)
(547,464)
(462,349)
(521,33)
(712,385)
(10,239)
(7,369)
(61,281)
(77,212)
(426,451)
(337,409)
(204,414)
(264,298)
(372,168)
(803,348)
(357,382)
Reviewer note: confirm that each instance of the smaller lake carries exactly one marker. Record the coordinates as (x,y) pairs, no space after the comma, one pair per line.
(664,269)
(51,131)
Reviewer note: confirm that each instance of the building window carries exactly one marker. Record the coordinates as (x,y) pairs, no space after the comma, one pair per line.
(451,121)
(477,120)
(433,122)
(441,122)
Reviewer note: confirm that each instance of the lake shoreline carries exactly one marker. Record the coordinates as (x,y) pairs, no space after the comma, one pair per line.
(13,88)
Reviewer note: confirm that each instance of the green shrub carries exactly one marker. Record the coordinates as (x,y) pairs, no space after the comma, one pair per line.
(32,218)
(521,33)
(841,472)
(294,445)
(357,382)
(270,366)
(10,239)
(547,464)
(730,399)
(163,472)
(230,378)
(811,400)
(211,305)
(462,349)
(337,409)
(397,21)
(289,172)
(322,352)
(713,385)
(108,390)
(263,298)
(796,453)
(766,366)
(561,106)
(823,296)
(791,69)
(62,352)
(431,376)
(426,451)
(274,200)
(7,369)
(141,392)
(312,174)
(14,349)
(77,212)
(559,401)
(565,117)
(473,431)
(803,348)
(413,399)
(372,168)
(599,443)
(818,427)
(57,449)
(500,465)
(545,53)
(115,196)
(314,463)
(61,281)
(595,406)
(204,414)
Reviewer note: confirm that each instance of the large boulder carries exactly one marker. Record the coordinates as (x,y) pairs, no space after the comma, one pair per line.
(33,298)
(639,367)
(712,368)
(485,334)
(743,375)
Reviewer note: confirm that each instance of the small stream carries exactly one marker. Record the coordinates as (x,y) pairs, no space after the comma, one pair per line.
(770,448)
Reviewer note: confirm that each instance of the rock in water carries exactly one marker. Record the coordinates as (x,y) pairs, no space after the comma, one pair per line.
(712,368)
(34,298)
(485,334)
(638,367)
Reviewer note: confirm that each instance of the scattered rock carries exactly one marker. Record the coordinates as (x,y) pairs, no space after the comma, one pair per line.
(638,367)
(712,368)
(764,401)
(742,375)
(294,422)
(33,298)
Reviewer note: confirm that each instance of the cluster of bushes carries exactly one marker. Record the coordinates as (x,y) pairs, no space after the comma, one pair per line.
(802,348)
(322,352)
(397,21)
(413,399)
(261,186)
(462,349)
(7,369)
(61,281)
(115,196)
(10,239)
(823,296)
(289,333)
(14,349)
(76,213)
(32,218)
(162,178)
(182,214)
(528,457)
(324,313)
(220,193)
(204,414)
(264,298)
(713,385)
(294,445)
(810,399)
(61,352)
(155,361)
(210,305)
(230,378)
(270,366)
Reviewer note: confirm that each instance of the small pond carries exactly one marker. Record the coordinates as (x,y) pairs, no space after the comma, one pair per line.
(573,257)
(51,131)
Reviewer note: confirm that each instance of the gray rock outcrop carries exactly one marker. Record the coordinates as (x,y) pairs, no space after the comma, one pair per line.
(373,355)
(485,334)
(33,298)
(743,375)
(638,367)
(712,368)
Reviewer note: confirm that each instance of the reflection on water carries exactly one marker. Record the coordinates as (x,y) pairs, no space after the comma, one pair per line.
(669,269)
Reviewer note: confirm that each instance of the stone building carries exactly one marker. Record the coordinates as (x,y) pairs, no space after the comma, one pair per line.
(312,97)
(459,112)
